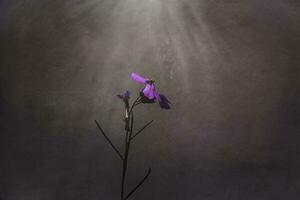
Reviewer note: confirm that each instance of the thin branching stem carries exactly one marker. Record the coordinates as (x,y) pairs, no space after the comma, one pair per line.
(109,141)
(135,103)
(141,130)
(139,184)
(129,124)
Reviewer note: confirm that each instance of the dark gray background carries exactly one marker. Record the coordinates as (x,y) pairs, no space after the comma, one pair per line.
(230,68)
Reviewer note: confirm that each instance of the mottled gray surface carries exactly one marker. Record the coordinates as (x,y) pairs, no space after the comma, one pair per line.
(230,68)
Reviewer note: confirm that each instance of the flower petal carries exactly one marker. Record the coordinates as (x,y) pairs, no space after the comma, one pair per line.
(156,94)
(149,91)
(164,102)
(145,99)
(136,77)
(127,94)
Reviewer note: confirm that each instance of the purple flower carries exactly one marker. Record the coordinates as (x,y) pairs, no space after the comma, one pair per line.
(126,95)
(149,94)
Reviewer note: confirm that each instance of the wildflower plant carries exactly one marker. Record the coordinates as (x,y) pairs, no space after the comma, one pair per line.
(148,95)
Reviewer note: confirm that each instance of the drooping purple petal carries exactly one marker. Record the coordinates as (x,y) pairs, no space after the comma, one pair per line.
(138,78)
(164,102)
(149,94)
(157,96)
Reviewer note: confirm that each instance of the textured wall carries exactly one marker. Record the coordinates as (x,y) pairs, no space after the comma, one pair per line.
(230,68)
